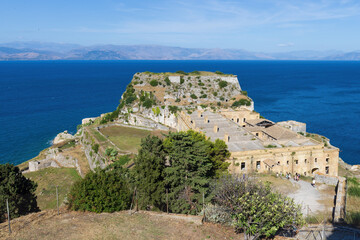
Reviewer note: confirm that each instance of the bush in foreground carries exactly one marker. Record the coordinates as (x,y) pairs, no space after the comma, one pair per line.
(101,191)
(257,210)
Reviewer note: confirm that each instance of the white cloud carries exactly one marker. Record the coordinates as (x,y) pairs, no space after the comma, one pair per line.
(285,44)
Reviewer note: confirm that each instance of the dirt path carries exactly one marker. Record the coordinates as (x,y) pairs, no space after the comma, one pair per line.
(307,196)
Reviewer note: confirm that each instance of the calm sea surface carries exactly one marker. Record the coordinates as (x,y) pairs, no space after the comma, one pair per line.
(40,99)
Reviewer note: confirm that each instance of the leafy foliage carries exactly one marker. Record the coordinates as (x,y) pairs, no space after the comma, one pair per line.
(19,191)
(95,147)
(173,109)
(192,166)
(111,153)
(241,102)
(193,96)
(167,81)
(182,80)
(149,169)
(101,191)
(154,83)
(223,84)
(256,210)
(182,72)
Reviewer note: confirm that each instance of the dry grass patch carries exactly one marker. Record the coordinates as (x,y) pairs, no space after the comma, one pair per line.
(278,184)
(119,225)
(47,180)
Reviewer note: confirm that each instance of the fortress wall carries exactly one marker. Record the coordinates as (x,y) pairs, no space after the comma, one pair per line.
(240,115)
(287,160)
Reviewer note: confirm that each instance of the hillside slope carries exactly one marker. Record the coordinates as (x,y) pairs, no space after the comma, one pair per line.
(118,225)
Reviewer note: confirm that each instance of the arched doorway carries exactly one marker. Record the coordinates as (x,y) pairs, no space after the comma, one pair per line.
(314,170)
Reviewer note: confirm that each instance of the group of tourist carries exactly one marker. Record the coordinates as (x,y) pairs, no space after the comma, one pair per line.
(288,176)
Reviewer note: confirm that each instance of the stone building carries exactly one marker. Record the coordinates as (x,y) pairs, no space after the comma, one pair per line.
(260,145)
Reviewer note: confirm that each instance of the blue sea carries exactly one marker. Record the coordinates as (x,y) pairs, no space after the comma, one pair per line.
(42,98)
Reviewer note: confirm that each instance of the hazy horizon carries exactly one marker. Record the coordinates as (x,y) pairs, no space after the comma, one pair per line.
(259,25)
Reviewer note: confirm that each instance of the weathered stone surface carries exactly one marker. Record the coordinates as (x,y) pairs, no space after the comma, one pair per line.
(88,120)
(63,136)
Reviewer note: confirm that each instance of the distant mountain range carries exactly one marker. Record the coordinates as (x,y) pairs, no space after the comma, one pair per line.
(58,51)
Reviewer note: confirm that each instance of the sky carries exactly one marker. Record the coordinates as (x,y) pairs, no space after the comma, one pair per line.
(255,25)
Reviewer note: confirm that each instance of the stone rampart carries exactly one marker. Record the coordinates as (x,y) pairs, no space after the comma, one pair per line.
(328,180)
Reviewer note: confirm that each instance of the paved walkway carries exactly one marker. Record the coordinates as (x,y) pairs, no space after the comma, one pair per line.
(307,196)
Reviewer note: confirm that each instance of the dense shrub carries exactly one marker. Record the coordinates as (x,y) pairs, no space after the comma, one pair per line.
(148,103)
(182,80)
(167,81)
(95,147)
(182,72)
(193,96)
(217,214)
(101,191)
(257,210)
(154,83)
(241,102)
(218,72)
(173,109)
(19,191)
(223,84)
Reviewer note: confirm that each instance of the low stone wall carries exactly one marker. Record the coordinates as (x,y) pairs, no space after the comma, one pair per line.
(329,180)
(340,203)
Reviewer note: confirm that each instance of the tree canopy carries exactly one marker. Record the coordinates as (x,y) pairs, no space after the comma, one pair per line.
(19,190)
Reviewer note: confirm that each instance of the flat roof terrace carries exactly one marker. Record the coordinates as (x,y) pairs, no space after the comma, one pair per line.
(215,126)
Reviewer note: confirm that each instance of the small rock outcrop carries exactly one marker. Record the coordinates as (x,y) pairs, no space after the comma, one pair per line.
(63,136)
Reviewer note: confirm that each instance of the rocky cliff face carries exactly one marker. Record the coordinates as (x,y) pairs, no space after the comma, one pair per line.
(159,96)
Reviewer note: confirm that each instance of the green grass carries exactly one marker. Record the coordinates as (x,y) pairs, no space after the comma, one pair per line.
(353,202)
(126,138)
(47,180)
(98,136)
(69,144)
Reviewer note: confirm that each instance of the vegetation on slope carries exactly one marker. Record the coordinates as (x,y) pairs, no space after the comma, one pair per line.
(18,190)
(47,179)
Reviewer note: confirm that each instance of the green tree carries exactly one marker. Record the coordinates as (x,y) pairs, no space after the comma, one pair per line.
(101,191)
(19,190)
(190,172)
(149,173)
(219,153)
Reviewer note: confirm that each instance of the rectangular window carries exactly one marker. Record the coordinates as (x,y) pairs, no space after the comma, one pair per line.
(327,160)
(315,159)
(287,162)
(257,134)
(296,161)
(257,164)
(305,160)
(242,165)
(327,170)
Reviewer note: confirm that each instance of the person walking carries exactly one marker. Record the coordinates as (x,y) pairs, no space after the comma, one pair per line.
(313,182)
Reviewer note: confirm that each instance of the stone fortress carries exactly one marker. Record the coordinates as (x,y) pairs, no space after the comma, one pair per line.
(256,144)
(260,145)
